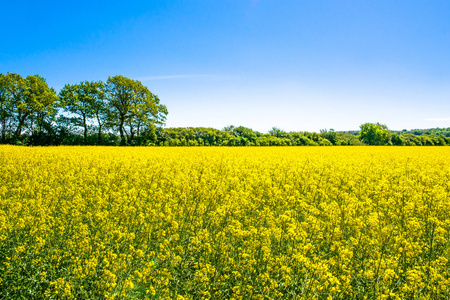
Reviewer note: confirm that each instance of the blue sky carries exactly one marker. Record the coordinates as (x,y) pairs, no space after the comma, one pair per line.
(297,65)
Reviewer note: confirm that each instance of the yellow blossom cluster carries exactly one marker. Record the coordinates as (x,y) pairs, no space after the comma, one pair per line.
(224,223)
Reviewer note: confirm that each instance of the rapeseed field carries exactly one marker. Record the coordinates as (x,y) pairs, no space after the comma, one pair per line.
(225,223)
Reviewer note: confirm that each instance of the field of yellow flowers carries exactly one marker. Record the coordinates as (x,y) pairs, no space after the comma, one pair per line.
(225,223)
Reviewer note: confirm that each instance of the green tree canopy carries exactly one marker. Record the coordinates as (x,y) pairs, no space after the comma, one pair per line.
(373,133)
(26,102)
(5,104)
(86,101)
(132,107)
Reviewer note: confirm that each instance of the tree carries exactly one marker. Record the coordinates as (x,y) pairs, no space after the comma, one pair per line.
(242,134)
(100,110)
(276,132)
(373,134)
(132,107)
(5,103)
(396,139)
(86,101)
(32,101)
(330,135)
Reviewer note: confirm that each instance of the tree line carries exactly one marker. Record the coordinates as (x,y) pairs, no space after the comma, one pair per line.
(122,111)
(369,134)
(33,113)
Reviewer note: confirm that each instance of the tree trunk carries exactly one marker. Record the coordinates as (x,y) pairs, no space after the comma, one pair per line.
(131,134)
(99,139)
(41,120)
(18,132)
(4,130)
(85,129)
(123,141)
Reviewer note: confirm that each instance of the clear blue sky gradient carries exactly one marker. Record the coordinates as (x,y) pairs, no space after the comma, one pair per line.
(297,65)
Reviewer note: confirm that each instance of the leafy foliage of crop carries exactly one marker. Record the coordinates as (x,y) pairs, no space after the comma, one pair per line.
(224,223)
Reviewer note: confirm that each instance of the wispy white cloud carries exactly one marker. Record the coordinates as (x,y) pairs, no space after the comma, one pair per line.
(437,119)
(164,77)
